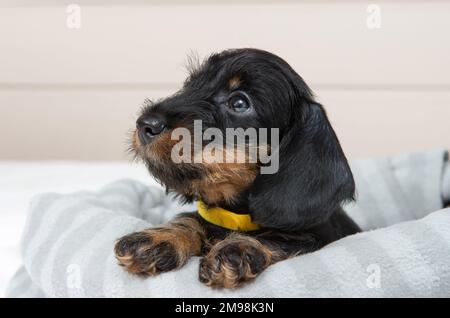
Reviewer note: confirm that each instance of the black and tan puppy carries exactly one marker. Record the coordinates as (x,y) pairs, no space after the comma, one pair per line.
(294,211)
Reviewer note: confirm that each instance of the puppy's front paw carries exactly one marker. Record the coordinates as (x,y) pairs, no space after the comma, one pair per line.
(234,261)
(152,251)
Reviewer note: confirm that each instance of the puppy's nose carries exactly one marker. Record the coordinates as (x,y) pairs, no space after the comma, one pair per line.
(149,127)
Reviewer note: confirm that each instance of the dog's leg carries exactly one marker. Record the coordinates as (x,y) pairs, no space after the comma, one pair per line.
(235,260)
(239,258)
(161,249)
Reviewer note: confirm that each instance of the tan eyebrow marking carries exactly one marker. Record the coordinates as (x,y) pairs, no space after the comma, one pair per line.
(234,82)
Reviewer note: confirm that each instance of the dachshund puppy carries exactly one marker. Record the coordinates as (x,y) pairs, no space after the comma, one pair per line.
(246,220)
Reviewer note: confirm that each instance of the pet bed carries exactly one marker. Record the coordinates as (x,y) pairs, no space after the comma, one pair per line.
(68,241)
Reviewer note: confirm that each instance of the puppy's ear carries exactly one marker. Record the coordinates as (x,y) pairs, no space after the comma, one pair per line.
(313,178)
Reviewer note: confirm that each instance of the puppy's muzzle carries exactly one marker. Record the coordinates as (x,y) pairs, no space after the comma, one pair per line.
(150,126)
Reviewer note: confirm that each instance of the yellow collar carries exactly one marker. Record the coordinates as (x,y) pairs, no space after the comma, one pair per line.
(226,219)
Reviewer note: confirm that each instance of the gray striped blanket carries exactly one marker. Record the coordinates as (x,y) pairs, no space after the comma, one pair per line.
(405,251)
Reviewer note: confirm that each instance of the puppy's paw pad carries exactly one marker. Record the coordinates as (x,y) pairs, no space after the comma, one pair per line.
(145,254)
(233,264)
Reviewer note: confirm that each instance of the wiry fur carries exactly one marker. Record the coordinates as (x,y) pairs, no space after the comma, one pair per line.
(298,208)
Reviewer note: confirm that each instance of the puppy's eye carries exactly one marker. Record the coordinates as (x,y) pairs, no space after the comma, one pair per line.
(239,103)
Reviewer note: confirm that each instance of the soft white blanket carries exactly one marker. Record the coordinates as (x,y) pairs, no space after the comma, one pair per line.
(68,241)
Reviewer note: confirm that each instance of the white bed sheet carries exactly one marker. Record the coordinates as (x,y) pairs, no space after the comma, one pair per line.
(20,181)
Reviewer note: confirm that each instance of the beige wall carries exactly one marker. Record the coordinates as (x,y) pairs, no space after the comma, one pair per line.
(74,94)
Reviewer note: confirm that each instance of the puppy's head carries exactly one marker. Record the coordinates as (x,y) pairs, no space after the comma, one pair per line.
(249,88)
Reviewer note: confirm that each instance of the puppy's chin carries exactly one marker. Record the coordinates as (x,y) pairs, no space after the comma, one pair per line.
(157,158)
(215,183)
